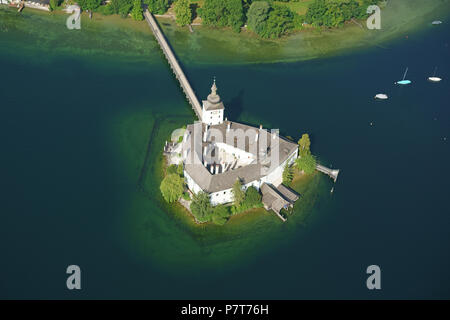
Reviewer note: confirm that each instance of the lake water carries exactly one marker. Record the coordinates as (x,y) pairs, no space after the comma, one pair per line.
(80,110)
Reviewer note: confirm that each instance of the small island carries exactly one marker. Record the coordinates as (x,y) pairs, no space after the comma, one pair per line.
(218,168)
(223,162)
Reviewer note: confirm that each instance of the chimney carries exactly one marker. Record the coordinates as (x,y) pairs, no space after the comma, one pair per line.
(217,168)
(256,136)
(260,127)
(228,126)
(211,168)
(274,135)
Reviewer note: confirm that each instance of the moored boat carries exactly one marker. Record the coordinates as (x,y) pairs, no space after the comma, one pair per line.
(381,96)
(403,81)
(434,78)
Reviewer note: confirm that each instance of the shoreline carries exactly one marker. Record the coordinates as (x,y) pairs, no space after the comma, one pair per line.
(209,45)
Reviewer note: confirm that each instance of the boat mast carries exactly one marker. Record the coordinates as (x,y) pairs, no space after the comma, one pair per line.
(404,76)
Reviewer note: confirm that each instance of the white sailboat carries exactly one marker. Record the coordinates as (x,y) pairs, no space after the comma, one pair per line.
(381,96)
(434,78)
(403,81)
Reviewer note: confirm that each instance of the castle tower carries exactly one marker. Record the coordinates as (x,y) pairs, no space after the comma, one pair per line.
(213,108)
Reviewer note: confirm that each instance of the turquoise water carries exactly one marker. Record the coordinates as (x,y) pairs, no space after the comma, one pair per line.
(76,128)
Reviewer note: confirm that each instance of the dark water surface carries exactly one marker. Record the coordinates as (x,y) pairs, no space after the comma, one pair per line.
(75,131)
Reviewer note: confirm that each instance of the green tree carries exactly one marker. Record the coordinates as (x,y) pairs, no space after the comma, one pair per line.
(186,196)
(222,13)
(298,21)
(307,163)
(304,144)
(236,17)
(288,174)
(183,12)
(172,187)
(137,12)
(252,198)
(89,4)
(53,4)
(172,169)
(257,16)
(106,10)
(180,170)
(333,13)
(157,6)
(220,215)
(238,193)
(201,207)
(122,7)
(280,21)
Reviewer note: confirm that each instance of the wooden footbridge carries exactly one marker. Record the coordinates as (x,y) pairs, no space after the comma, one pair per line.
(332,173)
(174,65)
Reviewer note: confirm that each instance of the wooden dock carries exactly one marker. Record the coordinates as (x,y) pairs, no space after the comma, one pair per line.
(174,65)
(331,172)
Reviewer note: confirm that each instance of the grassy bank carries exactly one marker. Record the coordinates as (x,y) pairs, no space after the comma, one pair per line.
(107,36)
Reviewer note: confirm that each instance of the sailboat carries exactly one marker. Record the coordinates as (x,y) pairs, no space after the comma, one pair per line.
(436,22)
(434,78)
(403,81)
(381,96)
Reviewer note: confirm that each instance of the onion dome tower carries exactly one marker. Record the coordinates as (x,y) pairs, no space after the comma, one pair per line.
(213,108)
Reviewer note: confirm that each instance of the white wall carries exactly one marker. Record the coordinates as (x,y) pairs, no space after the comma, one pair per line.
(239,153)
(226,196)
(221,197)
(194,187)
(212,117)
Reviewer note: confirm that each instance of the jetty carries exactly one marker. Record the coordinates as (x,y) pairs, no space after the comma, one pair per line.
(174,65)
(333,173)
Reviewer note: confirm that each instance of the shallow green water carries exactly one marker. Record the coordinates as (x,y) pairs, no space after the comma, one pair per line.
(78,111)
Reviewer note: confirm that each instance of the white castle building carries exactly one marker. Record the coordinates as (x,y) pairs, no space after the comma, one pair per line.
(217,152)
